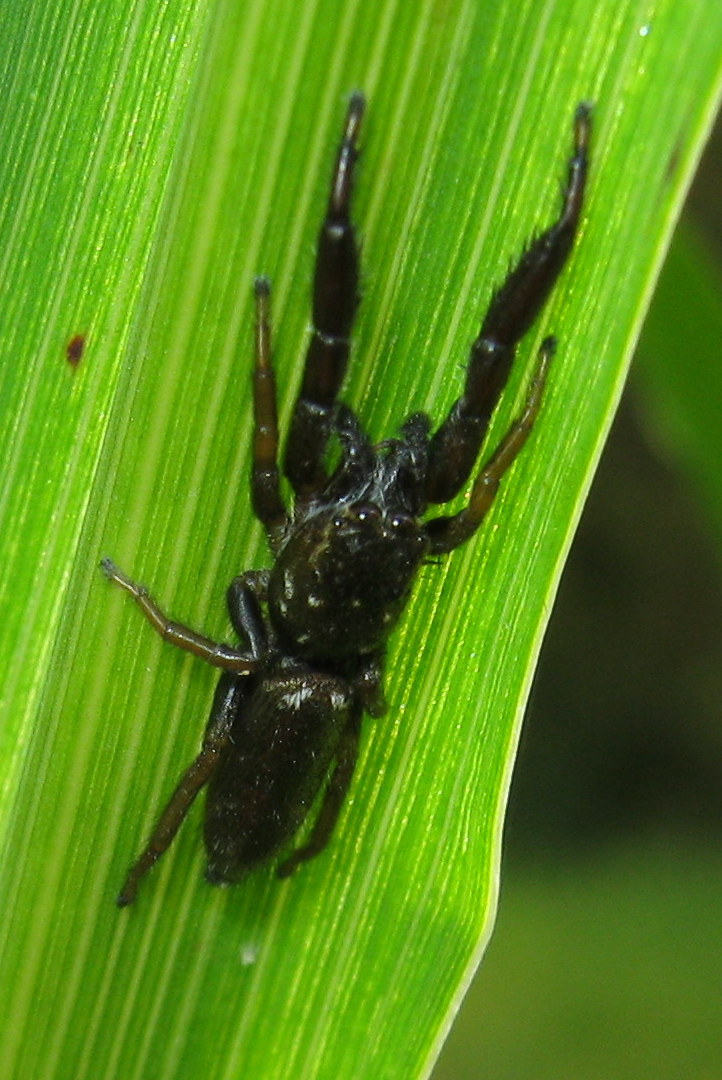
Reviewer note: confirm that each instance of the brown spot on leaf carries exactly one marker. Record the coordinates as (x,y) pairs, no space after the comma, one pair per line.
(74,349)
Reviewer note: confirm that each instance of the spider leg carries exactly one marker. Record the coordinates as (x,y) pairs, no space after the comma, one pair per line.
(446,533)
(335,300)
(244,596)
(268,505)
(514,307)
(333,800)
(213,652)
(196,776)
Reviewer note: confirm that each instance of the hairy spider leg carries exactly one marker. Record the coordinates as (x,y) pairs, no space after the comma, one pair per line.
(334,797)
(514,307)
(335,301)
(266,498)
(216,653)
(447,533)
(196,776)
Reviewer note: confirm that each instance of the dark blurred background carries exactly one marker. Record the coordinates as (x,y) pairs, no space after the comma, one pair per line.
(606,960)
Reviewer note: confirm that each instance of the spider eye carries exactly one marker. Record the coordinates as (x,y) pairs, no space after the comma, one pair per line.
(367,513)
(406,528)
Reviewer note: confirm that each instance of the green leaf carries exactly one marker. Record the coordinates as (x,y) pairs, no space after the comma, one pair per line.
(154,161)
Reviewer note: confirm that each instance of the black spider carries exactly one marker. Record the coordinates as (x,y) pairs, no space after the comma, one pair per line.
(287,712)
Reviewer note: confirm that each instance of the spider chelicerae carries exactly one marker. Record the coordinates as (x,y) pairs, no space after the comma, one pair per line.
(286,716)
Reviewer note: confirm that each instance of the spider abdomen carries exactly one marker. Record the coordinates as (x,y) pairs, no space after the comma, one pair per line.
(282,744)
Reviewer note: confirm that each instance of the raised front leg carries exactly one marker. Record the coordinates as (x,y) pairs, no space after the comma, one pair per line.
(514,307)
(335,300)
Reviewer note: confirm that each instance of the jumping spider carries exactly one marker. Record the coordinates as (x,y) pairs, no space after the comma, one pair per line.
(287,712)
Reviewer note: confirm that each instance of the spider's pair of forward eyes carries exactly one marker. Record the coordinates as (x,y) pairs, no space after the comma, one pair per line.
(284,728)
